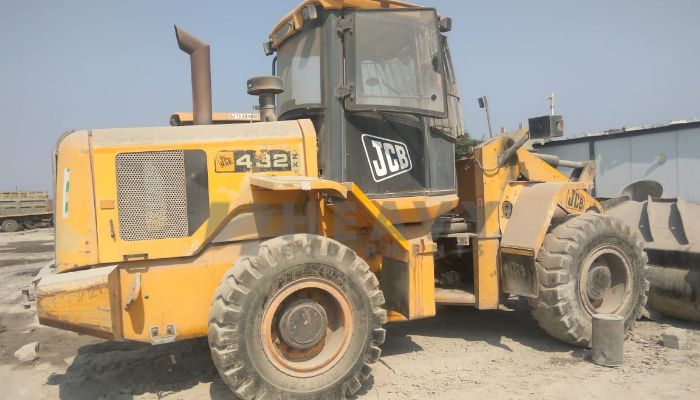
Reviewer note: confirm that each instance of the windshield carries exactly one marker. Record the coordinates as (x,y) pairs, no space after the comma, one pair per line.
(299,66)
(394,62)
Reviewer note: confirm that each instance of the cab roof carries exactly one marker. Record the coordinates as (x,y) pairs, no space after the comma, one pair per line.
(293,22)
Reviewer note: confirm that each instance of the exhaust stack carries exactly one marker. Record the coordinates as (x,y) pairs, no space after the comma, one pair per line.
(201,75)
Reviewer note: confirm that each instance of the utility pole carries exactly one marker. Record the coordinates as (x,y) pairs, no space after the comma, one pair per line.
(551,103)
(484,103)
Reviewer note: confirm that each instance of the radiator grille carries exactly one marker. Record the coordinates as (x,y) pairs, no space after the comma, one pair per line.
(151,195)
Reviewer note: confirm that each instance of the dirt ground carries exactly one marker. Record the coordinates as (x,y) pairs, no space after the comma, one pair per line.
(462,353)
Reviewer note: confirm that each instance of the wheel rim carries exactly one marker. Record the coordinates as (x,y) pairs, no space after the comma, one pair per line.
(605,283)
(306,327)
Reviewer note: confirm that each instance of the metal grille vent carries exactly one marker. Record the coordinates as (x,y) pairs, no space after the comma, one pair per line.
(151,195)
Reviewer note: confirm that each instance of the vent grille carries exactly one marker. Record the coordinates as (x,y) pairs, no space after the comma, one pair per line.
(151,195)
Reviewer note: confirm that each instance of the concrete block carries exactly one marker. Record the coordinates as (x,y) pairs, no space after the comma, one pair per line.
(674,338)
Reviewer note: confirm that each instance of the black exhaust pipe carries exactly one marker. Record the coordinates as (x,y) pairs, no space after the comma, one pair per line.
(201,75)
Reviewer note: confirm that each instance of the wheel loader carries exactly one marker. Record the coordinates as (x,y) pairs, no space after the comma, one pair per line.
(290,242)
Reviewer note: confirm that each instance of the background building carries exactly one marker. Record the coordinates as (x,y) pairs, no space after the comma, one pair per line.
(669,154)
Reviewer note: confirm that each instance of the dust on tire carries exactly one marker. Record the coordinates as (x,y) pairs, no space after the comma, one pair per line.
(244,293)
(559,309)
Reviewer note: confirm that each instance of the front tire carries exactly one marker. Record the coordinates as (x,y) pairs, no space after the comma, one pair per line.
(299,320)
(10,225)
(589,264)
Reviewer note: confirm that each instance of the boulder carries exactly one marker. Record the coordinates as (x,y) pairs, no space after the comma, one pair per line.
(28,353)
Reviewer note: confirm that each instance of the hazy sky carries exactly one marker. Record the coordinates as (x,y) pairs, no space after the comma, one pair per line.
(92,64)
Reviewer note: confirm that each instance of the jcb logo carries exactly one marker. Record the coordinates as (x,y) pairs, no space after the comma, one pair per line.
(387,158)
(575,200)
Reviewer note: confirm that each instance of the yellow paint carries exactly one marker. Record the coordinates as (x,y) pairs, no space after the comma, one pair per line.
(485,188)
(372,213)
(107,204)
(534,169)
(177,292)
(76,238)
(299,184)
(177,276)
(422,286)
(310,151)
(536,205)
(82,301)
(394,316)
(228,191)
(486,267)
(405,210)
(588,203)
(224,162)
(489,185)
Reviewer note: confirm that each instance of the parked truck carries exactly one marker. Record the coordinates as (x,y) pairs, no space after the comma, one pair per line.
(25,209)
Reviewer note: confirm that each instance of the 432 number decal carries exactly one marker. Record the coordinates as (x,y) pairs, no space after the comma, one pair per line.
(257,161)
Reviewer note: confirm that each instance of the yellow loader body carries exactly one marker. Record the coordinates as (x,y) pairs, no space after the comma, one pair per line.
(150,276)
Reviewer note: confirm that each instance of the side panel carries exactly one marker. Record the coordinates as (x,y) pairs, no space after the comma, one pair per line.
(688,164)
(409,288)
(176,293)
(614,166)
(133,300)
(76,236)
(230,155)
(655,157)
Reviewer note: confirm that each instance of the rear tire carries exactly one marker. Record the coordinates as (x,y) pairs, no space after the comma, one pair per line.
(300,320)
(30,223)
(10,225)
(589,264)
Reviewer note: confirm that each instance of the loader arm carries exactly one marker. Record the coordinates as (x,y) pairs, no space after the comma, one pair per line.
(514,200)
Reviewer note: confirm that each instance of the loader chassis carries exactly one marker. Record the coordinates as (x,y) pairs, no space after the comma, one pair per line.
(290,242)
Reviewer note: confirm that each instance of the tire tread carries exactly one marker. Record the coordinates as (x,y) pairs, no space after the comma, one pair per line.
(553,309)
(225,312)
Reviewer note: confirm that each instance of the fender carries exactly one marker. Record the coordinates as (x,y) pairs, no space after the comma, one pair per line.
(525,219)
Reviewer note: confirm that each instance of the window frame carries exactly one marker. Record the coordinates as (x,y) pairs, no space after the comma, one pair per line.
(350,46)
(309,29)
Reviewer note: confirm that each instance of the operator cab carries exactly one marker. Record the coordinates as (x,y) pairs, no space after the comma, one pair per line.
(379,86)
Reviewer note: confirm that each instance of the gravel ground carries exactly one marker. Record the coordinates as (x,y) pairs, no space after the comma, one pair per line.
(461,353)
